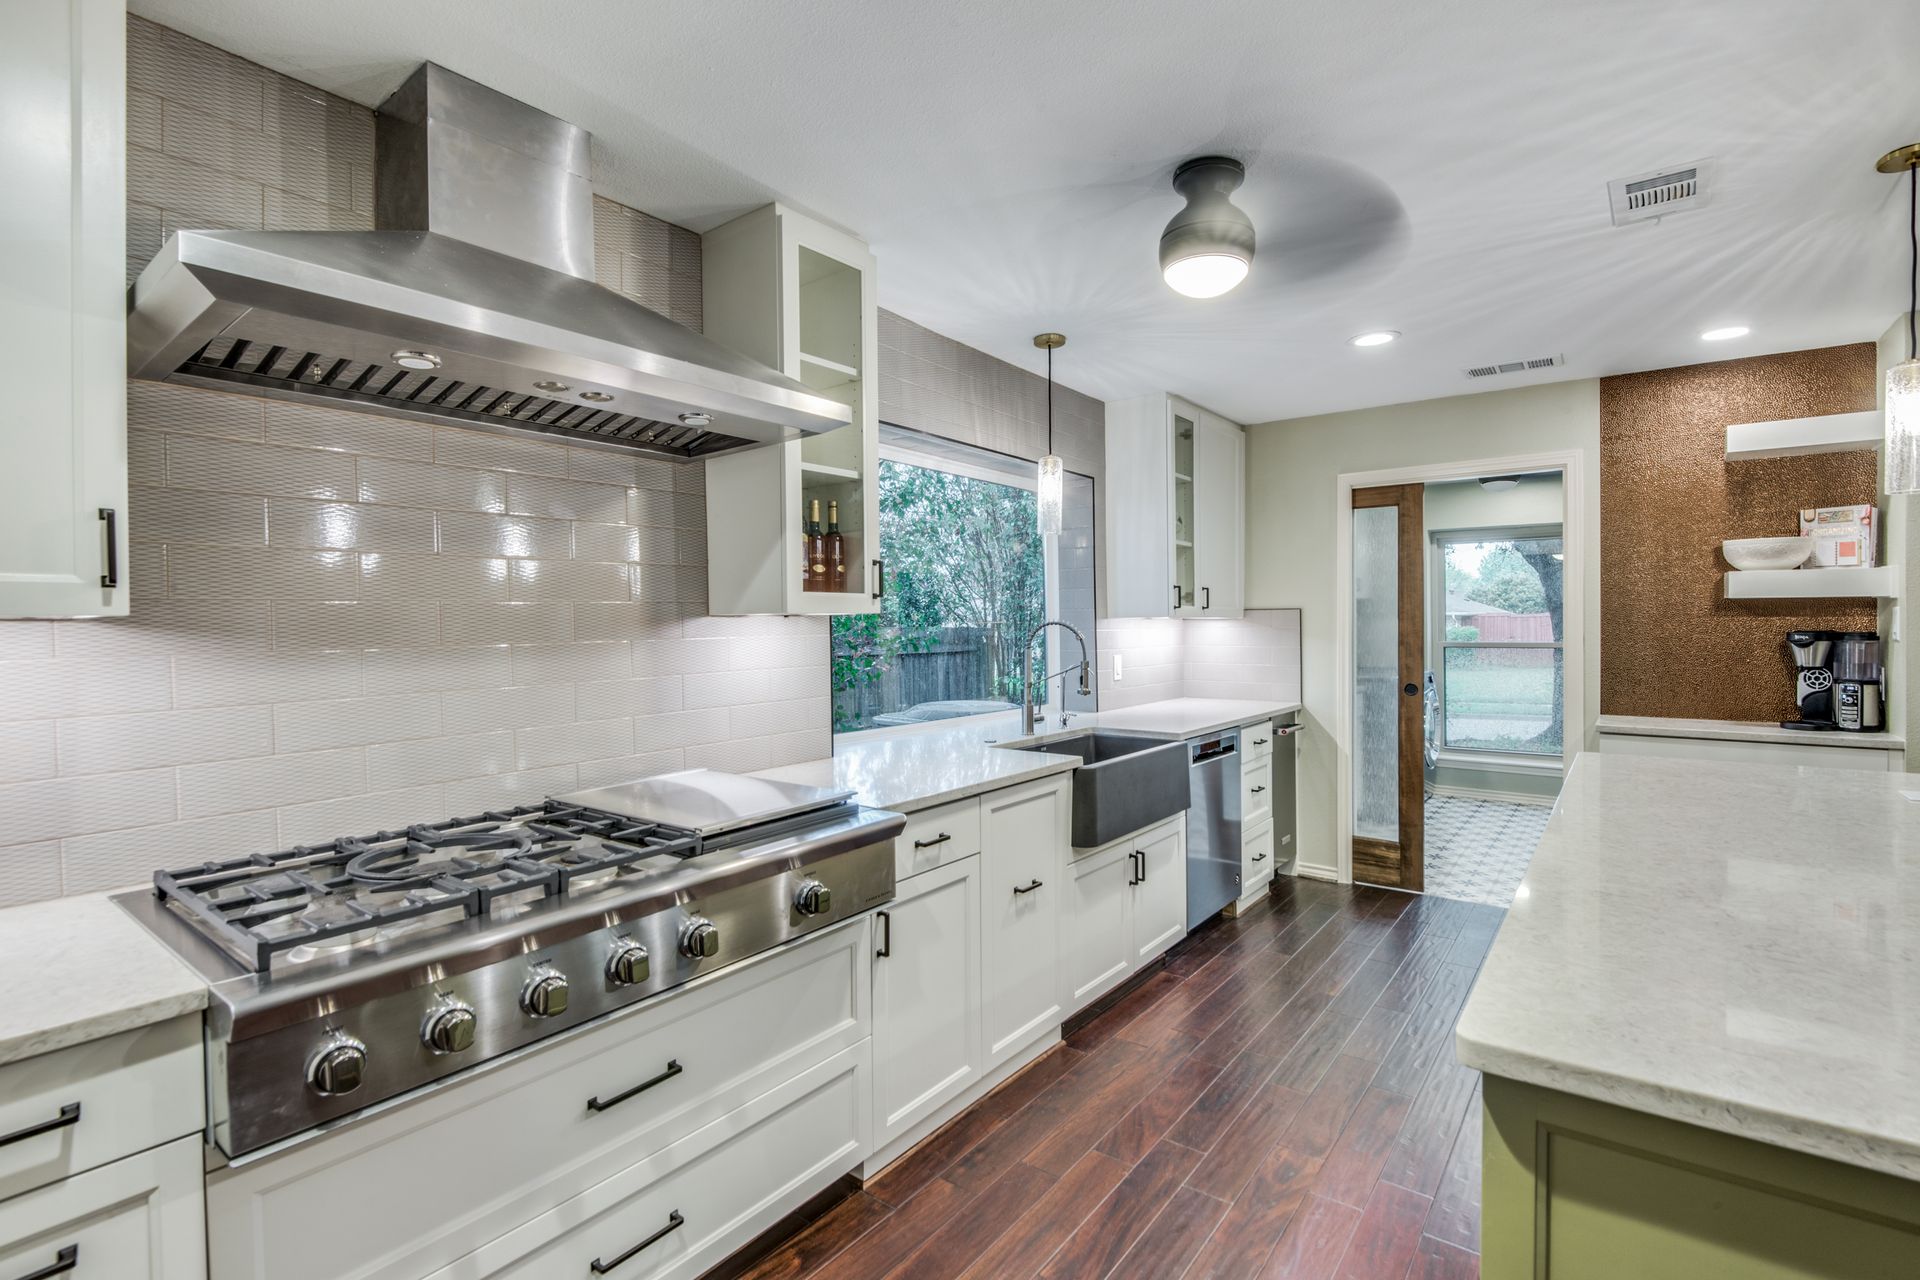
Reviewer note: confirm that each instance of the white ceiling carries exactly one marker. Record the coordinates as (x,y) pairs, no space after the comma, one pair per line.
(1437,167)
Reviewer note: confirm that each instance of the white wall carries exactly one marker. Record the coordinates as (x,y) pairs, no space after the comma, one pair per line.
(1291,471)
(1464,504)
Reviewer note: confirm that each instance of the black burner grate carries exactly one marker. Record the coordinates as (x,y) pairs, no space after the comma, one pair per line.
(266,903)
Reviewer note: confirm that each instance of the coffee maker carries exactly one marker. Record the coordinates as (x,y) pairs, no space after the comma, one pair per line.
(1812,653)
(1857,680)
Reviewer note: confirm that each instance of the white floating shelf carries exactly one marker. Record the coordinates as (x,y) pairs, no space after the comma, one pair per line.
(1879,582)
(1793,437)
(822,469)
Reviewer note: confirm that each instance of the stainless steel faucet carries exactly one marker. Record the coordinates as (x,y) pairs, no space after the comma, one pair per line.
(1027,706)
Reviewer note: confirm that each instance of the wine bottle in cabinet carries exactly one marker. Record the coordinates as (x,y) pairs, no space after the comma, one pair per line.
(816,551)
(836,550)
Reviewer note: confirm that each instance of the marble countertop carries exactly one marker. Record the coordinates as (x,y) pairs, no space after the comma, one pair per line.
(96,973)
(920,766)
(1736,946)
(1746,731)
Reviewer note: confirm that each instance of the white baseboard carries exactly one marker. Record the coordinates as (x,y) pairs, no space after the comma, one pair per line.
(1506,797)
(1307,871)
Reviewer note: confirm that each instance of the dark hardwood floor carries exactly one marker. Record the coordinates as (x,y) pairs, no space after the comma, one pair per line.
(1280,1099)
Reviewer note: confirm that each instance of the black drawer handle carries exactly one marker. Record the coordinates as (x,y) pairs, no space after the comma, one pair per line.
(1138,873)
(69,1114)
(885,949)
(942,838)
(1020,889)
(1259,742)
(1259,857)
(674,1220)
(64,1261)
(1258,790)
(879,579)
(111,578)
(1206,598)
(1176,595)
(673,1069)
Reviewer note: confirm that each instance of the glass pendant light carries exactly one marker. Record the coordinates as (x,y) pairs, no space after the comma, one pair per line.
(1053,473)
(1902,449)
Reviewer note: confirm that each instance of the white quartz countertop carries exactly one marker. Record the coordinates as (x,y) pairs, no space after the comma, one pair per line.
(924,765)
(1735,946)
(86,971)
(1746,731)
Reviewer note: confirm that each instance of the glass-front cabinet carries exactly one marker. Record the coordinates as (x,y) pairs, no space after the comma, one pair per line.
(1175,511)
(799,295)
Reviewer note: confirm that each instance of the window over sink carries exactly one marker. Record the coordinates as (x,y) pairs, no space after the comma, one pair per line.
(968,578)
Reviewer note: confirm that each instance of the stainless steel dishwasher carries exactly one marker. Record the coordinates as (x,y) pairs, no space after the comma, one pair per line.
(1213,825)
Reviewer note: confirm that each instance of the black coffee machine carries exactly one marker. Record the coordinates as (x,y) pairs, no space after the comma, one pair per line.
(1837,680)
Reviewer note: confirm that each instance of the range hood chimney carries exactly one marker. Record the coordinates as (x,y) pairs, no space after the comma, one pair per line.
(473,305)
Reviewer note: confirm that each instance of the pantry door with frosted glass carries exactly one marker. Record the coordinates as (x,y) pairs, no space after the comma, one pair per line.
(1388,662)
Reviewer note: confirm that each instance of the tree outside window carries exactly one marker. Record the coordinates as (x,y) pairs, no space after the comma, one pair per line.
(1502,674)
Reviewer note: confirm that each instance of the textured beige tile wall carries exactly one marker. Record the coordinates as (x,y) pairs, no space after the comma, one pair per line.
(342,622)
(1256,657)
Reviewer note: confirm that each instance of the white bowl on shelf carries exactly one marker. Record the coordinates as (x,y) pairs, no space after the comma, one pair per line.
(1767,553)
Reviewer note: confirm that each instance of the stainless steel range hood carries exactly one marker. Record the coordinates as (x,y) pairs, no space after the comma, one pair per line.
(473,305)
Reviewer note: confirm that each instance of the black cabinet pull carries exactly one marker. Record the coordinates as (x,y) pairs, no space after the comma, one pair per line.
(1176,595)
(1139,867)
(69,1114)
(111,578)
(674,1220)
(64,1261)
(942,838)
(1259,857)
(885,949)
(673,1069)
(1259,742)
(1258,790)
(879,579)
(1206,598)
(1020,889)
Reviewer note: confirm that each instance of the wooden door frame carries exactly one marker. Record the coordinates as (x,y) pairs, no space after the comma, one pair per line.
(1408,853)
(1572,466)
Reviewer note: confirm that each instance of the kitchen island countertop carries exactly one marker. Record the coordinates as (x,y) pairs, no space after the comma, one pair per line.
(1734,946)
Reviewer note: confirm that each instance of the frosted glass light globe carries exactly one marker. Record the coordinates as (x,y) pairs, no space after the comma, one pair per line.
(1205,275)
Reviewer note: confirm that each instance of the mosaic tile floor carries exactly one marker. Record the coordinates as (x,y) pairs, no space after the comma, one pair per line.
(1478,850)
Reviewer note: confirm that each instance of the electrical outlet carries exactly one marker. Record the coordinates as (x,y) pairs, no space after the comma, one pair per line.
(1116,668)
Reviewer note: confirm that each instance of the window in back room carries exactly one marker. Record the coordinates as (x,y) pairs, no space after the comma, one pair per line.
(968,578)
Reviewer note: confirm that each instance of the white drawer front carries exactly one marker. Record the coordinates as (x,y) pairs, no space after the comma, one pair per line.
(935,837)
(109,1098)
(140,1218)
(1256,792)
(1256,740)
(680,1211)
(465,1162)
(1256,860)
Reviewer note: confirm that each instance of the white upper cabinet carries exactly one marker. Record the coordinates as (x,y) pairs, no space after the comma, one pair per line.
(798,295)
(1175,511)
(63,346)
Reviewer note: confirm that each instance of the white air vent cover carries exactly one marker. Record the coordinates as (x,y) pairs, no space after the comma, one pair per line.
(1515,366)
(1657,194)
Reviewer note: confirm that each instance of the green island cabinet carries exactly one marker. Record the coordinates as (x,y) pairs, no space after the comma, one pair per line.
(1575,1189)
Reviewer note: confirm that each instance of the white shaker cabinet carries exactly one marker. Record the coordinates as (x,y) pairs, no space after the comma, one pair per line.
(1175,511)
(1126,904)
(1024,834)
(800,296)
(63,350)
(926,997)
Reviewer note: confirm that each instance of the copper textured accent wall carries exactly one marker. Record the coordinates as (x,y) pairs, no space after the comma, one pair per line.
(1670,643)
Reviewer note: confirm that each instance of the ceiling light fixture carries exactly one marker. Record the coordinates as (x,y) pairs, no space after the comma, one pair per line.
(1902,448)
(1375,338)
(1053,474)
(1726,334)
(1499,484)
(421,360)
(1208,247)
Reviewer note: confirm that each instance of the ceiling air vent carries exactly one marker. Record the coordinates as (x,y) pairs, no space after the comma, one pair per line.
(1515,366)
(1657,194)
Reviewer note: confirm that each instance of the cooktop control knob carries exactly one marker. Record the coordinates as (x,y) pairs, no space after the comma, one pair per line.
(628,964)
(449,1027)
(338,1065)
(813,899)
(545,995)
(699,939)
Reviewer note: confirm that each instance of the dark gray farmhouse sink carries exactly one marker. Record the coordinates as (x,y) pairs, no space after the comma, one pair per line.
(1123,782)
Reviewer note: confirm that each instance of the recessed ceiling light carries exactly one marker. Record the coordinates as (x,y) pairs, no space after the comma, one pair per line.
(1723,335)
(596,397)
(551,385)
(1377,338)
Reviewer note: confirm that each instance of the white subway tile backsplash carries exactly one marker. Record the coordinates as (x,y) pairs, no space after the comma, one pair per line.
(614,542)
(272,470)
(468,755)
(670,729)
(56,807)
(384,576)
(24,640)
(274,574)
(513,622)
(629,471)
(532,495)
(29,872)
(347,625)
(473,533)
(419,484)
(347,722)
(626,620)
(297,522)
(568,580)
(571,743)
(310,426)
(84,686)
(731,757)
(359,815)
(605,773)
(186,515)
(516,707)
(27,750)
(399,670)
(108,744)
(230,786)
(778,717)
(131,857)
(666,510)
(631,697)
(210,680)
(505,790)
(739,687)
(456,448)
(170,627)
(146,458)
(160,406)
(556,664)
